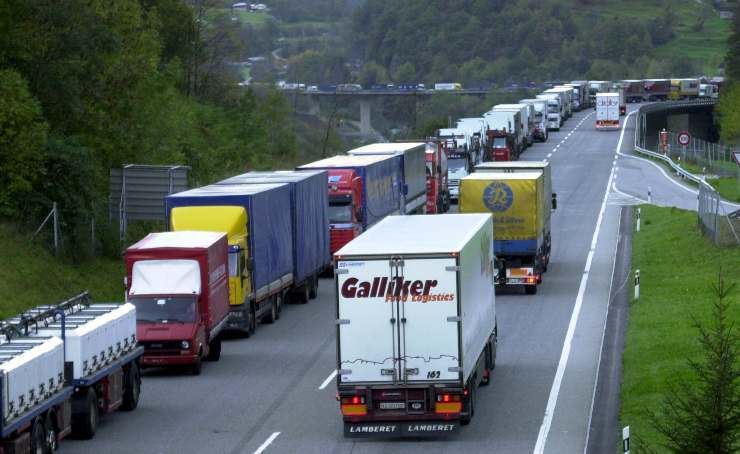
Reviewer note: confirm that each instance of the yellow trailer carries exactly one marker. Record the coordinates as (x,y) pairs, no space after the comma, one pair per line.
(520,207)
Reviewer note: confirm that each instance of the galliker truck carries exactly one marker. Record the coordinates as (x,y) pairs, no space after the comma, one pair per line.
(309,208)
(521,216)
(63,365)
(416,324)
(607,111)
(362,190)
(413,171)
(179,283)
(257,221)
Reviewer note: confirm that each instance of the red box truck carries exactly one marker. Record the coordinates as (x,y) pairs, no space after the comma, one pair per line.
(178,282)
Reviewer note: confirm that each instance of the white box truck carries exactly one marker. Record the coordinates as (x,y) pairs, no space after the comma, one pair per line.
(416,324)
(554,110)
(527,118)
(539,107)
(607,111)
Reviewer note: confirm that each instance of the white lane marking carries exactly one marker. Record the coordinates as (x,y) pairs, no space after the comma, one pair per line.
(603,333)
(267,443)
(539,447)
(614,187)
(661,171)
(328,379)
(549,154)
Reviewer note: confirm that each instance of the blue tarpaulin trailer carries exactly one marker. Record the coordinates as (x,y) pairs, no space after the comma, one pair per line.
(381,182)
(269,225)
(310,219)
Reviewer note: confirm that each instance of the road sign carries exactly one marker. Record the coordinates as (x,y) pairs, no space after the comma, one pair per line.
(684,138)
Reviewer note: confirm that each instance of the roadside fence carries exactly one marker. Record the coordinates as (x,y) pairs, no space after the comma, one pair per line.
(722,227)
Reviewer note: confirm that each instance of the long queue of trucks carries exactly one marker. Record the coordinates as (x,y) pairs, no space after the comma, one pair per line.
(505,131)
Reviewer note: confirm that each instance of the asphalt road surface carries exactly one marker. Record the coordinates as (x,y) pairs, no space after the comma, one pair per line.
(274,393)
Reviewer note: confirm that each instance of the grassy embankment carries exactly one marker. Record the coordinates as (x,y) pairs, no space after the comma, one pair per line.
(677,265)
(706,47)
(30,275)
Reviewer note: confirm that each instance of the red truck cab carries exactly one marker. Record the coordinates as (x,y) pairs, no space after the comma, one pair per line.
(345,207)
(438,194)
(500,146)
(178,282)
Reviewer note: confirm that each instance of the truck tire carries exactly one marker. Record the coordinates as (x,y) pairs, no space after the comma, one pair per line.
(271,315)
(469,403)
(530,289)
(214,349)
(313,290)
(301,294)
(50,425)
(197,366)
(279,300)
(132,388)
(85,414)
(38,437)
(252,320)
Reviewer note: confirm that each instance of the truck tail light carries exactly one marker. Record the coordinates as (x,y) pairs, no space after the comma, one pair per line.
(531,280)
(353,406)
(448,403)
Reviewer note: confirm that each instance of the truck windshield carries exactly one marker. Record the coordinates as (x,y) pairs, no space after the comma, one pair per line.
(164,309)
(456,164)
(553,109)
(340,213)
(499,142)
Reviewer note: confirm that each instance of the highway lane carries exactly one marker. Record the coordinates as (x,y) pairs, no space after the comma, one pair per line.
(264,393)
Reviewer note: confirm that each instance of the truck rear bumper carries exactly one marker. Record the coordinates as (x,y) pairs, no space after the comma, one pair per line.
(395,429)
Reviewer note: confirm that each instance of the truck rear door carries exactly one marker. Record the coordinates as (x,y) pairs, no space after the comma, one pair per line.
(398,320)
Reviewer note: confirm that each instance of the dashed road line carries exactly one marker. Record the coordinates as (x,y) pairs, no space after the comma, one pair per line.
(328,379)
(267,443)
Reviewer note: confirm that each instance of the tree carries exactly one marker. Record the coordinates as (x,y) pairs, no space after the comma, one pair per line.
(371,74)
(728,111)
(406,73)
(703,415)
(22,139)
(733,48)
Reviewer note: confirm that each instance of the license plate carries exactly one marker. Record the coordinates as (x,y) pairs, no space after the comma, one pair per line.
(392,405)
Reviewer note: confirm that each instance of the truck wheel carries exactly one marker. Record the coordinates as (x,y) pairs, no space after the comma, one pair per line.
(301,294)
(132,388)
(252,320)
(530,289)
(214,350)
(465,419)
(38,437)
(197,366)
(272,314)
(85,415)
(51,432)
(313,290)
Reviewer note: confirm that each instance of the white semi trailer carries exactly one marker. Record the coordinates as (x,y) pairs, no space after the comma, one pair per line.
(416,324)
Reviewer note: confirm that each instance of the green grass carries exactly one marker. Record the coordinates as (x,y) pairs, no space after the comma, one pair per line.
(706,48)
(30,275)
(677,265)
(728,188)
(244,17)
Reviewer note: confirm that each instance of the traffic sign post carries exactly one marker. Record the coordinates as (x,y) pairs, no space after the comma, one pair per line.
(684,139)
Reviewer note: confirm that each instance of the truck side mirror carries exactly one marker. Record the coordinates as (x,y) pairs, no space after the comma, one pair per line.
(554,201)
(439,168)
(360,217)
(405,189)
(249,264)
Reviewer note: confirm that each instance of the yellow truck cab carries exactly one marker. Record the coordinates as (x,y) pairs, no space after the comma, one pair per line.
(233,221)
